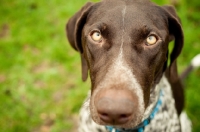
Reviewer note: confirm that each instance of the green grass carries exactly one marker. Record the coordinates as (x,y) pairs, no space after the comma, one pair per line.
(40,80)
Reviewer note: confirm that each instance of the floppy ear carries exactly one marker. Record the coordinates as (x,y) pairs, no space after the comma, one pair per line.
(176,33)
(74,31)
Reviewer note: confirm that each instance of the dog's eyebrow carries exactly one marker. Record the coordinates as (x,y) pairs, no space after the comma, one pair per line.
(98,25)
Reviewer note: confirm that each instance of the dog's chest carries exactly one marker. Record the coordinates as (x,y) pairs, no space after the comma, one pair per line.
(166,119)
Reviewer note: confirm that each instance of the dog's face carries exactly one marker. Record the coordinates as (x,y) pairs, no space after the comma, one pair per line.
(124,45)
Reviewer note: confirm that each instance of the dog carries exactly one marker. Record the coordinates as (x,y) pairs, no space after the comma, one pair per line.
(123,44)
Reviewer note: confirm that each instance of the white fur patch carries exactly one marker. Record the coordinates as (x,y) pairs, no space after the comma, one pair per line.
(86,124)
(196,61)
(186,125)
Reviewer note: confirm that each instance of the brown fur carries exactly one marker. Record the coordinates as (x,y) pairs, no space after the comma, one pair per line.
(148,63)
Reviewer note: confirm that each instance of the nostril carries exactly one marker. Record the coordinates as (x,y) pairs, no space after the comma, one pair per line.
(105,117)
(104,114)
(114,118)
(123,116)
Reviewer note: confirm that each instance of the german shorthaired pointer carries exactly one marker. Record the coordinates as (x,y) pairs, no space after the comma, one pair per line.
(124,46)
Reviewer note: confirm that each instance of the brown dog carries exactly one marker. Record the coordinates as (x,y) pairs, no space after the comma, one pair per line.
(124,46)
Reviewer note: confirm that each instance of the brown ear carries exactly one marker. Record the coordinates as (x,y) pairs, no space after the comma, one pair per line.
(74,31)
(176,32)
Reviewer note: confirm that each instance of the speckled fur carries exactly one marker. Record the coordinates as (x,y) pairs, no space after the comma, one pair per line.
(166,120)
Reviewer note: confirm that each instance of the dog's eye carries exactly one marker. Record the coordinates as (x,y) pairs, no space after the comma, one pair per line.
(96,36)
(151,39)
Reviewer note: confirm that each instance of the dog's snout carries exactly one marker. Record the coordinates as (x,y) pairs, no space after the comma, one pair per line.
(115,107)
(114,111)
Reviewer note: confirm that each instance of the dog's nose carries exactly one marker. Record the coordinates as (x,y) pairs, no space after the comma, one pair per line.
(115,107)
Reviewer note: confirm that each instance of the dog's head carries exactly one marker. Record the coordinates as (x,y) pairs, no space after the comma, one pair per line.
(124,46)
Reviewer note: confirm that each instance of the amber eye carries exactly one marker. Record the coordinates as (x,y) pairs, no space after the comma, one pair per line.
(151,40)
(96,36)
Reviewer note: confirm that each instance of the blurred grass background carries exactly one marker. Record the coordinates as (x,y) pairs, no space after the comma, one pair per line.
(40,79)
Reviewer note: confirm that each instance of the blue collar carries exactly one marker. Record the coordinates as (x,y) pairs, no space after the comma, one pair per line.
(141,126)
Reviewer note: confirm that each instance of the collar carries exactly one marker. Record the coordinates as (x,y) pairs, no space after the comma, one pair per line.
(142,125)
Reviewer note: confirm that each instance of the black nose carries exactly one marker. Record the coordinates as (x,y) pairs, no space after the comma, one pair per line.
(115,110)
